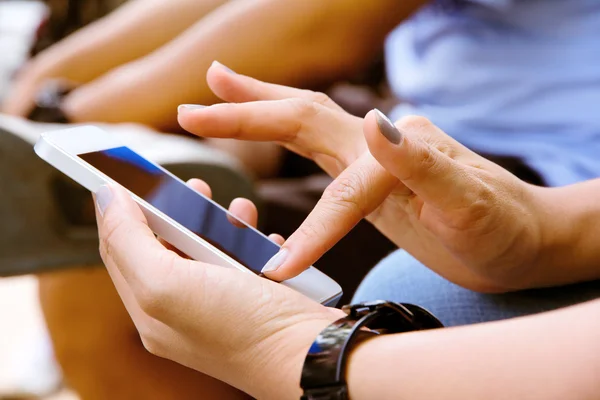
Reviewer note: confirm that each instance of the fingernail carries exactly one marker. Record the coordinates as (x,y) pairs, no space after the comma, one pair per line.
(387,128)
(103,198)
(276,261)
(224,67)
(184,107)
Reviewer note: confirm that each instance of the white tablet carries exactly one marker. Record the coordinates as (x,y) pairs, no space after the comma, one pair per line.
(188,220)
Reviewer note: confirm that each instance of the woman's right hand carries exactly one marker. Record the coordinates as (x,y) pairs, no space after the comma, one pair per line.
(461,215)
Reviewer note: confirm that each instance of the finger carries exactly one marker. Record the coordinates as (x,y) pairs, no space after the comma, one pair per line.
(128,244)
(174,249)
(277,238)
(200,186)
(421,156)
(244,210)
(238,88)
(125,293)
(257,121)
(354,194)
(305,125)
(138,316)
(142,321)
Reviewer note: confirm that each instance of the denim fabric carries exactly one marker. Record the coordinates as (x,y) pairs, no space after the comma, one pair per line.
(401,278)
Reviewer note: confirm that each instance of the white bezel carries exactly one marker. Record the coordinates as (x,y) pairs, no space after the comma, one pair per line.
(61,150)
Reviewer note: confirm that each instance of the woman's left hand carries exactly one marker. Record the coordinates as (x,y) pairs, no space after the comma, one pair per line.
(247,331)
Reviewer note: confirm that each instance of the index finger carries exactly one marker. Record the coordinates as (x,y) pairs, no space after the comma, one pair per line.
(306,126)
(237,88)
(353,195)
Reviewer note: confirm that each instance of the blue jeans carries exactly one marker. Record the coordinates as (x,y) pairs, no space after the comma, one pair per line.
(401,278)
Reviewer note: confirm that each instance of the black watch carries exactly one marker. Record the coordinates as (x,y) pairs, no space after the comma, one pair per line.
(324,371)
(48,103)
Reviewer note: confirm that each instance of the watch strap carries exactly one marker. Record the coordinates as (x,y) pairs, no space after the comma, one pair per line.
(323,375)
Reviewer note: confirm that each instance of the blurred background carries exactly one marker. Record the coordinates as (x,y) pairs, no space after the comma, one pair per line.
(27,366)
(35,240)
(516,81)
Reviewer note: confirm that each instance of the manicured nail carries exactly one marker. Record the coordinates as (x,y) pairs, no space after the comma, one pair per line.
(276,261)
(103,198)
(218,64)
(387,128)
(187,107)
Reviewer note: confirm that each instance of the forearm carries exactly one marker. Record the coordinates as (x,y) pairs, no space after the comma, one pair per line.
(570,231)
(551,356)
(298,43)
(132,31)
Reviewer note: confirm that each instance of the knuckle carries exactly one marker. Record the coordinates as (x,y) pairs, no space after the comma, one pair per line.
(413,123)
(320,98)
(475,215)
(113,228)
(427,160)
(150,343)
(149,336)
(344,194)
(305,108)
(315,229)
(155,296)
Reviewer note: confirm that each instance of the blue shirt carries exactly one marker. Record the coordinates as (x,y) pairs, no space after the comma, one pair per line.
(507,77)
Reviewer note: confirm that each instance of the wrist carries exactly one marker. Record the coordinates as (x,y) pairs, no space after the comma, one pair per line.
(562,257)
(563,232)
(272,369)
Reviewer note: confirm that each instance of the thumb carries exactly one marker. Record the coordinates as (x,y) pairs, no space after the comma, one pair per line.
(422,157)
(127,245)
(353,195)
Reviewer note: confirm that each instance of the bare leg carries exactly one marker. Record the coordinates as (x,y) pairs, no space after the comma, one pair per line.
(134,30)
(301,43)
(100,351)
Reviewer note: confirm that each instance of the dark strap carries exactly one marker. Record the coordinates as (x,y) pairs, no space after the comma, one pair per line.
(324,372)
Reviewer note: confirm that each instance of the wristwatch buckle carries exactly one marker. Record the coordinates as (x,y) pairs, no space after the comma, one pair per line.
(362,309)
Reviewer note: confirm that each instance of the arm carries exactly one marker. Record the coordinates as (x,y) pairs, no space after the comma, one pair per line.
(132,31)
(301,42)
(570,218)
(550,356)
(257,339)
(426,192)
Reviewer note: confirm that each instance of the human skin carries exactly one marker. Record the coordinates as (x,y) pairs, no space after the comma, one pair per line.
(258,338)
(133,31)
(425,191)
(99,349)
(265,38)
(130,79)
(129,68)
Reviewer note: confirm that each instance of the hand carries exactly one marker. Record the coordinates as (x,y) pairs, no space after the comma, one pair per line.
(463,216)
(21,97)
(234,326)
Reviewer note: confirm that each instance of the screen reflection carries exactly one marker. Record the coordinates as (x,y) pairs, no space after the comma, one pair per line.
(184,205)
